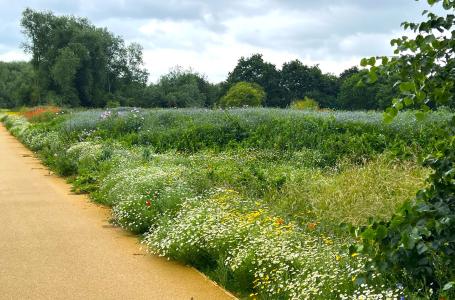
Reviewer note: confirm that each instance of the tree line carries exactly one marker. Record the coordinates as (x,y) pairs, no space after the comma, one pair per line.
(75,64)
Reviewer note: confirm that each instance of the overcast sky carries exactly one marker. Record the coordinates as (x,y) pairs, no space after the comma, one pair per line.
(210,36)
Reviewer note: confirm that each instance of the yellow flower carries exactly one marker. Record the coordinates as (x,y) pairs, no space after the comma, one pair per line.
(328,241)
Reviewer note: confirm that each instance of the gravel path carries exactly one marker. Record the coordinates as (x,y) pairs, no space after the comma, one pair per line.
(57,245)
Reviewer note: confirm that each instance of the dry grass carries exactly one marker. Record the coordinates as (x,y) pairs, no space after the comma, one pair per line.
(352,193)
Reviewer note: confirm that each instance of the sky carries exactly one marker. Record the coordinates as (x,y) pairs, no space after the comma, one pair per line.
(210,36)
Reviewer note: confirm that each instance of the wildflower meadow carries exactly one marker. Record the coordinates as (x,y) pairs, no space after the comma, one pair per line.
(266,202)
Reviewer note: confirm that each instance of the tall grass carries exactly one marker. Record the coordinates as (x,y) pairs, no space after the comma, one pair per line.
(330,135)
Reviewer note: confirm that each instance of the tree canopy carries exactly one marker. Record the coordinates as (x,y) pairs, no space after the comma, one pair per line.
(78,62)
(255,70)
(181,88)
(17,85)
(75,64)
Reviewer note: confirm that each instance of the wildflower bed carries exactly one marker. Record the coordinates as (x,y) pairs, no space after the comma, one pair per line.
(253,197)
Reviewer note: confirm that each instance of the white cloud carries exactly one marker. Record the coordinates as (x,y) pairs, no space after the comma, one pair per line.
(14,55)
(210,36)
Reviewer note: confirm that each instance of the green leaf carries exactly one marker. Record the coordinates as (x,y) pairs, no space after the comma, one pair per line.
(420,96)
(408,101)
(392,111)
(425,108)
(398,105)
(372,61)
(407,86)
(409,241)
(372,77)
(387,118)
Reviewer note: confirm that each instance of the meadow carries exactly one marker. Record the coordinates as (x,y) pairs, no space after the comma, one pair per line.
(261,200)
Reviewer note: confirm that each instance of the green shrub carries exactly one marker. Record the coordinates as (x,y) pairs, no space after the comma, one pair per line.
(305,104)
(112,104)
(243,94)
(418,242)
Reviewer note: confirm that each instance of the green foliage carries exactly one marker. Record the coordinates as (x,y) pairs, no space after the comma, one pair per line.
(243,94)
(64,74)
(419,240)
(331,135)
(81,63)
(424,64)
(112,104)
(78,64)
(355,94)
(305,104)
(17,85)
(261,222)
(255,70)
(348,73)
(181,88)
(299,81)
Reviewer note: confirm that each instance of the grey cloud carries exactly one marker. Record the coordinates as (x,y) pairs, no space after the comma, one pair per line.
(337,29)
(334,23)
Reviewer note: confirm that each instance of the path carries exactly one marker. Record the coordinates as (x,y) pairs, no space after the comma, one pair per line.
(56,245)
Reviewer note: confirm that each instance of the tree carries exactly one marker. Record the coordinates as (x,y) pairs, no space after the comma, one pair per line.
(243,94)
(80,63)
(355,94)
(182,88)
(419,240)
(255,70)
(17,85)
(298,81)
(348,73)
(64,72)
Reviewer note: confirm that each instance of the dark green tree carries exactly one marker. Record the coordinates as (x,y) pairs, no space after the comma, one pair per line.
(255,70)
(64,73)
(348,73)
(355,94)
(299,81)
(17,85)
(182,88)
(80,63)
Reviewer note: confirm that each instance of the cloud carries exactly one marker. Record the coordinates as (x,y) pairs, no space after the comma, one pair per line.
(13,55)
(210,36)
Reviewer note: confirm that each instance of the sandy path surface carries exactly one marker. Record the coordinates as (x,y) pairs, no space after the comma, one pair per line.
(57,245)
